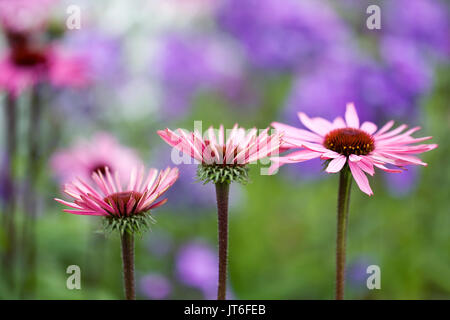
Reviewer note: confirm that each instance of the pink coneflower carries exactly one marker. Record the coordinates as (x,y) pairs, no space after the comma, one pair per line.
(22,70)
(361,147)
(223,160)
(68,70)
(239,149)
(353,150)
(24,67)
(25,15)
(88,156)
(111,198)
(126,206)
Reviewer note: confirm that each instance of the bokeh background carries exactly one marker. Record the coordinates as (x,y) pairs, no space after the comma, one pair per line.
(135,67)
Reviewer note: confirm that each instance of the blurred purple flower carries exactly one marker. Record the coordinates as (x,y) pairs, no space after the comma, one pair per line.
(426,22)
(409,71)
(103,53)
(188,65)
(342,76)
(155,286)
(402,184)
(357,272)
(196,266)
(386,89)
(281,35)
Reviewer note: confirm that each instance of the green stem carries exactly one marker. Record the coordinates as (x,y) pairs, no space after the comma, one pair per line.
(342,221)
(33,168)
(127,240)
(222,190)
(10,203)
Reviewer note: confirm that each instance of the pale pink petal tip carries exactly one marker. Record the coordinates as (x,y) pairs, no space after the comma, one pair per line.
(351,117)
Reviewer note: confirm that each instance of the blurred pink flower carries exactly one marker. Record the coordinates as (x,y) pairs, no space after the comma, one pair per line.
(107,196)
(25,15)
(347,142)
(238,148)
(25,67)
(86,157)
(68,70)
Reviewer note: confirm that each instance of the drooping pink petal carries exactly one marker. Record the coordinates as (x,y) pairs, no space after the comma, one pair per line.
(360,178)
(336,164)
(84,212)
(366,165)
(158,204)
(239,147)
(382,167)
(116,202)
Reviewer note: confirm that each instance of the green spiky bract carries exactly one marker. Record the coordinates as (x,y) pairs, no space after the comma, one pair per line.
(222,174)
(135,224)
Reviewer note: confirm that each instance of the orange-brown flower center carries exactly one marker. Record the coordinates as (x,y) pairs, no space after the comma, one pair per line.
(120,200)
(347,141)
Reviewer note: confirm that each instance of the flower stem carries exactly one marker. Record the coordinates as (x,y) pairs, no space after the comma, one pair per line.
(10,203)
(222,190)
(29,242)
(128,264)
(342,221)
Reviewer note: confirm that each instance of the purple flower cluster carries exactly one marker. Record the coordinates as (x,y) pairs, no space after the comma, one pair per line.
(188,65)
(281,35)
(103,53)
(424,22)
(196,266)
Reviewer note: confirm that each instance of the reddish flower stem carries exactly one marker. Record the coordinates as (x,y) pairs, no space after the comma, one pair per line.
(342,222)
(222,190)
(127,240)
